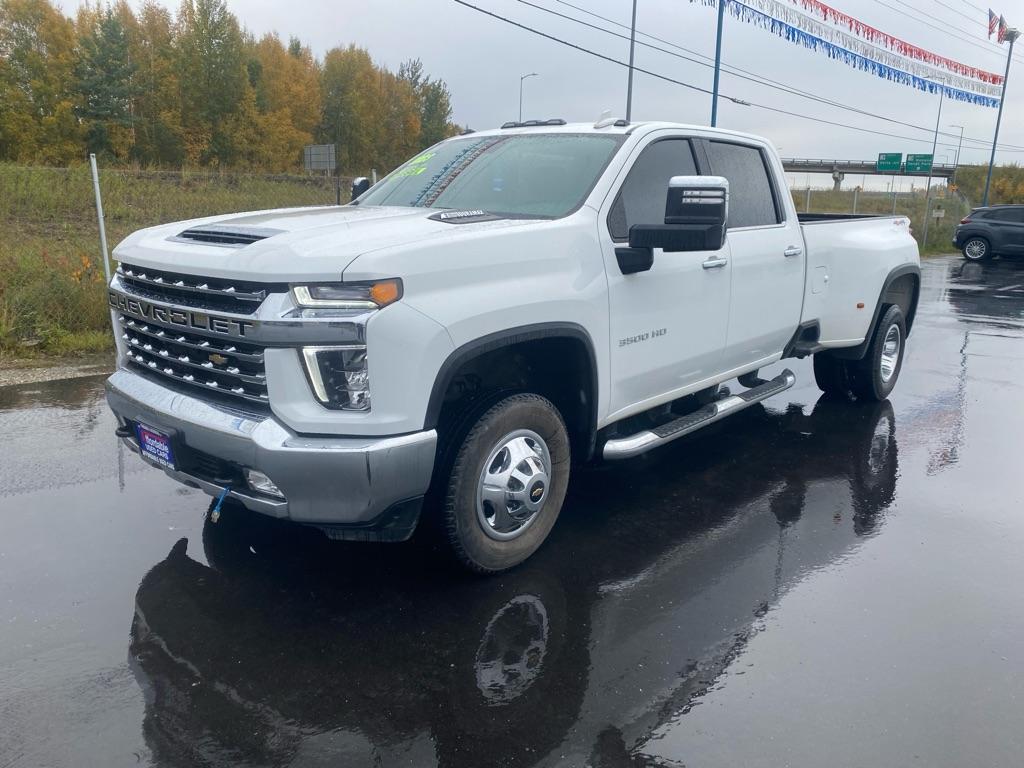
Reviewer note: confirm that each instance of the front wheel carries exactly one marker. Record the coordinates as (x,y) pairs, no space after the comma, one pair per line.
(977,249)
(507,484)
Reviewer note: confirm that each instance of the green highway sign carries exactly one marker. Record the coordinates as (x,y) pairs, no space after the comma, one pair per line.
(889,161)
(919,163)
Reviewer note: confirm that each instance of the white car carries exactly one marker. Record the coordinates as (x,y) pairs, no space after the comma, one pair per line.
(506,304)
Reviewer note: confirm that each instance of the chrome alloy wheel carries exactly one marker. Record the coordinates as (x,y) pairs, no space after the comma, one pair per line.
(975,249)
(513,485)
(891,349)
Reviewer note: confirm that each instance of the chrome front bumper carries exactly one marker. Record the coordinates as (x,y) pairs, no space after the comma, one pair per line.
(353,487)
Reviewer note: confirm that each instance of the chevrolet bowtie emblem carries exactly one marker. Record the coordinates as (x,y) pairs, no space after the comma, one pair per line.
(217,359)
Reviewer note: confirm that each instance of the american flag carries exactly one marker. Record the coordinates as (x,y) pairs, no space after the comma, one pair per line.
(993,22)
(1001,36)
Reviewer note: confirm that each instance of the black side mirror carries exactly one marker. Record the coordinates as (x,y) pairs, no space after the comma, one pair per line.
(359,185)
(696,212)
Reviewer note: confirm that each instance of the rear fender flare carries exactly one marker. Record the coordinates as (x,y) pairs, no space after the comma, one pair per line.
(858,352)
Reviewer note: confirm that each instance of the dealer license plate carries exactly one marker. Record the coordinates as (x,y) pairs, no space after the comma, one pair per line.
(155,445)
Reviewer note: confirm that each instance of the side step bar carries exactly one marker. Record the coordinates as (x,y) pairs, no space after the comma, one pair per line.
(641,442)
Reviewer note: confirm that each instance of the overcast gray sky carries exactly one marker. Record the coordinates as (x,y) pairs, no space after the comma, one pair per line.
(482,59)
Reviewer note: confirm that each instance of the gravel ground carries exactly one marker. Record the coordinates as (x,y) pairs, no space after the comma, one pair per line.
(33,371)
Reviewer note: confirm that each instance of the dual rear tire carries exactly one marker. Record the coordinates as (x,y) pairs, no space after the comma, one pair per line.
(873,377)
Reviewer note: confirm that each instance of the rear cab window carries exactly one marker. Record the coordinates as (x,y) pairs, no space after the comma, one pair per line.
(753,198)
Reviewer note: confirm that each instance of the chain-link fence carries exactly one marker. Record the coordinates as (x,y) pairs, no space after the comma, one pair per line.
(944,213)
(51,274)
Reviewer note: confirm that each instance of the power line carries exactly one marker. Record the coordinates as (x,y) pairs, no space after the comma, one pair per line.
(985,45)
(690,86)
(747,75)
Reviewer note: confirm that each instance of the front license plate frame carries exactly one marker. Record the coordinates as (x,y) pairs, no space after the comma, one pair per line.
(156,446)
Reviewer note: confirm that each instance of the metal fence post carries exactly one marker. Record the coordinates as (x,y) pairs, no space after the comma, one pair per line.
(807,201)
(855,190)
(99,216)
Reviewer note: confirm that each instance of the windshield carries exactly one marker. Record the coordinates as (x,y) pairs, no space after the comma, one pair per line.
(542,175)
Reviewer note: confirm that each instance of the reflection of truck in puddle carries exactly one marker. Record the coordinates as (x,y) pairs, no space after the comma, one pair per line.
(276,653)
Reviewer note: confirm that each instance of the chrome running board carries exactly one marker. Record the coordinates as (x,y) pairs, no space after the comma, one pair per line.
(641,442)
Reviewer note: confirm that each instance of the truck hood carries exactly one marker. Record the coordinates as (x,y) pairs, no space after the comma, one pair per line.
(295,243)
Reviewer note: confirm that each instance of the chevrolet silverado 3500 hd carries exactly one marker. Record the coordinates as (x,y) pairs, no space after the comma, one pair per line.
(503,306)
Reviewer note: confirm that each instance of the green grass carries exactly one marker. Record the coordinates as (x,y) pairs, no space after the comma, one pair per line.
(51,274)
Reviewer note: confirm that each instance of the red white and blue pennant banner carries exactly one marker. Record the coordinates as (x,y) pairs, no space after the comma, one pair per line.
(894,44)
(800,29)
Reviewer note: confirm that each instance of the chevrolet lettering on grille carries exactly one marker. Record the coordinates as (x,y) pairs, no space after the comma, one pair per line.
(203,321)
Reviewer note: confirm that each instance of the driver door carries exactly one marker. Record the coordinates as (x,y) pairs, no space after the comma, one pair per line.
(668,324)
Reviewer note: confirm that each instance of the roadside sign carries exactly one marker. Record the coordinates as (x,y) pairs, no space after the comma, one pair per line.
(319,157)
(919,163)
(889,161)
(939,213)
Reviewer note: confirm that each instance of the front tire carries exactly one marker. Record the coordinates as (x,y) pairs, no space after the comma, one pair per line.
(507,484)
(875,376)
(977,249)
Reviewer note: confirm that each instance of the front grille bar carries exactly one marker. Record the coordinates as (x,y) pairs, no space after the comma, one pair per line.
(170,371)
(186,360)
(170,335)
(200,286)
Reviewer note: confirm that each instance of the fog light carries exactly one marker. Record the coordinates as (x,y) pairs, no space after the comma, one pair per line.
(261,483)
(339,376)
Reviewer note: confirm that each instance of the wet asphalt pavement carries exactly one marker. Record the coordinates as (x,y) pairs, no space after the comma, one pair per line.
(808,583)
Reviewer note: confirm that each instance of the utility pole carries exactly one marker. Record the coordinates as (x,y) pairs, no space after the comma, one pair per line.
(531,74)
(629,83)
(718,62)
(959,146)
(1011,35)
(928,189)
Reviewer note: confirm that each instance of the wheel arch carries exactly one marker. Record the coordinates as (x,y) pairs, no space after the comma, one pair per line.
(902,286)
(535,341)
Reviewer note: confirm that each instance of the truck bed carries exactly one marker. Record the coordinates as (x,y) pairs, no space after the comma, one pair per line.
(821,218)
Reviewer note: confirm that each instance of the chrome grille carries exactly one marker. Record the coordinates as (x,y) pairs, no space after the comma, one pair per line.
(232,369)
(237,296)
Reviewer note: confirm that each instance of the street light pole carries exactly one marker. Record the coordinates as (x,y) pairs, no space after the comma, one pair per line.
(928,189)
(718,62)
(1011,35)
(629,83)
(959,146)
(531,74)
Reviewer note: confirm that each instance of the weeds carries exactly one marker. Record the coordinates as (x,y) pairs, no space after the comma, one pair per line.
(51,275)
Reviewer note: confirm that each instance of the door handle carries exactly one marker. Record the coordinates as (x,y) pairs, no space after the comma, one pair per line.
(793,250)
(714,262)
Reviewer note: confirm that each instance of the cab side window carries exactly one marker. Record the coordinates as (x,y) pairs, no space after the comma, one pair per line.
(641,200)
(752,200)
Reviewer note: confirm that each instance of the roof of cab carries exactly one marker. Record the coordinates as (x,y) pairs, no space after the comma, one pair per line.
(620,127)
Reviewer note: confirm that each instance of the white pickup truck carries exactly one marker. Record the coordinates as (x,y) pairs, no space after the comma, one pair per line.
(505,305)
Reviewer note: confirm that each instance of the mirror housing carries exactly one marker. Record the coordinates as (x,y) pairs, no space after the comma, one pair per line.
(359,185)
(696,213)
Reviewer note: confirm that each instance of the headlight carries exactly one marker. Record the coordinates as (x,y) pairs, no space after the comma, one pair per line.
(372,295)
(338,376)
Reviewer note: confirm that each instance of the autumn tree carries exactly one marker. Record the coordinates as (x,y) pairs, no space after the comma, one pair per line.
(159,134)
(37,100)
(212,79)
(105,83)
(433,101)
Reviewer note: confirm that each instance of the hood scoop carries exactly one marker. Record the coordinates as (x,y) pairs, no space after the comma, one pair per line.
(225,235)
